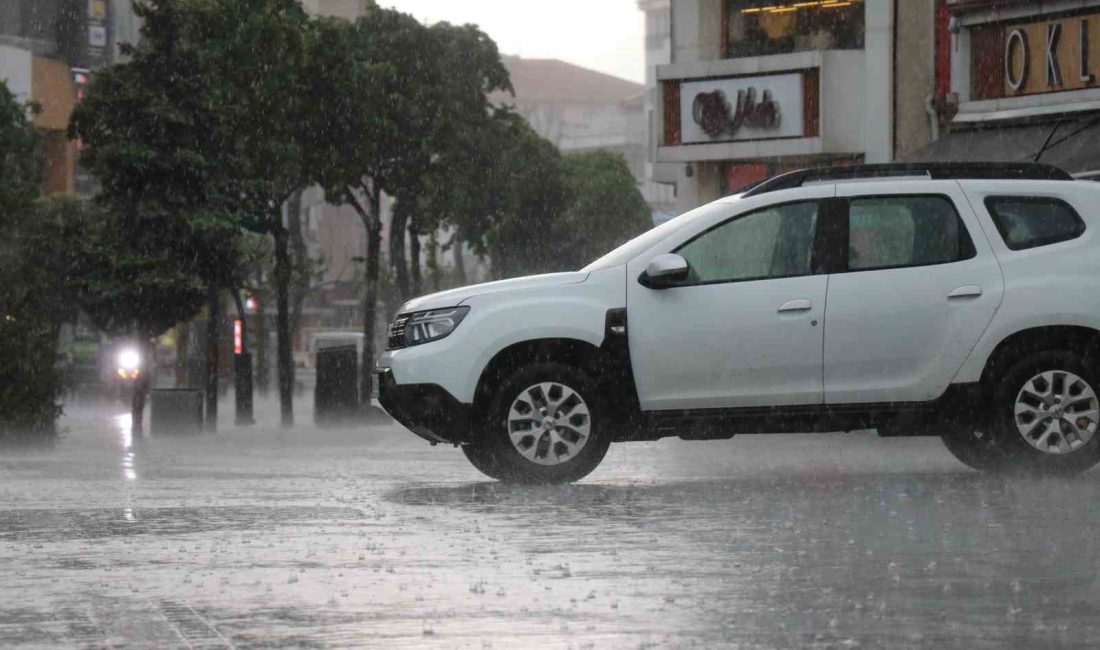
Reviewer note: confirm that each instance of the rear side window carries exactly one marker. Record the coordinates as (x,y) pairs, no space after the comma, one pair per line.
(1030,221)
(898,231)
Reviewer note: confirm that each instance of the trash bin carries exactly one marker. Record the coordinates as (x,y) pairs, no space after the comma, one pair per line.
(336,393)
(176,410)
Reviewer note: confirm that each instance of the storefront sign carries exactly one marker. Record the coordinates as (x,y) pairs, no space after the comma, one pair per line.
(742,108)
(1051,56)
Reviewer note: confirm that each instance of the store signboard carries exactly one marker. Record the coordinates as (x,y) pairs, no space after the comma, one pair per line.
(1037,57)
(741,108)
(98,38)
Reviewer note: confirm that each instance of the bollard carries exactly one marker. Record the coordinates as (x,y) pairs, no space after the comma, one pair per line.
(175,410)
(336,393)
(242,388)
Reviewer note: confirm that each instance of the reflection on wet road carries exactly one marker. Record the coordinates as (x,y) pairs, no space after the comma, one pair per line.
(258,537)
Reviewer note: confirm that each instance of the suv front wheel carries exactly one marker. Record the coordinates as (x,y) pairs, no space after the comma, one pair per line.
(543,425)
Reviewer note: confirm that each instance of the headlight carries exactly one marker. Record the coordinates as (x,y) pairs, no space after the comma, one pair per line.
(426,326)
(129,359)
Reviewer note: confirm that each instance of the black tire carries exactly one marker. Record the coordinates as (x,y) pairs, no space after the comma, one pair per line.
(502,458)
(1020,454)
(484,459)
(975,449)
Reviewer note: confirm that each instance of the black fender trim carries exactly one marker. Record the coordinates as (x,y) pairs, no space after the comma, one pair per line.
(615,378)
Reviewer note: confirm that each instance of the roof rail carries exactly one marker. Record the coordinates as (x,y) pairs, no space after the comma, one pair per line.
(934,170)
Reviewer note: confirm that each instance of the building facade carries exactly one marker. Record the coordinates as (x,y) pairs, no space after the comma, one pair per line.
(47,50)
(759,87)
(1024,82)
(658,51)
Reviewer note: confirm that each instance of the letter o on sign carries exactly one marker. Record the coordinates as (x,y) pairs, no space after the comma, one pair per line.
(1017,42)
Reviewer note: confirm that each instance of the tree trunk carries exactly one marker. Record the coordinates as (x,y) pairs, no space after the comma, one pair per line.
(263,371)
(414,257)
(397,249)
(460,260)
(370,300)
(300,282)
(433,261)
(213,330)
(282,326)
(183,353)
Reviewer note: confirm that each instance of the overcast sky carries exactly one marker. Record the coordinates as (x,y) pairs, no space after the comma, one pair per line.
(605,35)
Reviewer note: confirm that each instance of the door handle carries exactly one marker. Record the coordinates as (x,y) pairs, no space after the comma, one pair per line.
(802,304)
(969,291)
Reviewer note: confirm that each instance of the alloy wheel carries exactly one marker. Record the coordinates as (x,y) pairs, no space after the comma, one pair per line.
(1057,412)
(549,423)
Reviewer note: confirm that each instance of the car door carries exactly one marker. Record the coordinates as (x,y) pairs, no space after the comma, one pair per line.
(918,287)
(744,329)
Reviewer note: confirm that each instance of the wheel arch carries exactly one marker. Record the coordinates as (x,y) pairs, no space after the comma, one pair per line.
(1036,339)
(608,365)
(574,352)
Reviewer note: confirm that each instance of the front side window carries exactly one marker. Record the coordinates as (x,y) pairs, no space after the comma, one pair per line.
(775,242)
(900,231)
(1030,221)
(763,27)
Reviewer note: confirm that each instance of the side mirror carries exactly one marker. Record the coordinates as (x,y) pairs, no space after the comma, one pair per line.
(664,271)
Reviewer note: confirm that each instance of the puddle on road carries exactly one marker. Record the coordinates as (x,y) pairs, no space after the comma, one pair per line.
(57,525)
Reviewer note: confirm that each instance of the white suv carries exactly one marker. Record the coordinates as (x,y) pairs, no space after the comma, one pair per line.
(953,300)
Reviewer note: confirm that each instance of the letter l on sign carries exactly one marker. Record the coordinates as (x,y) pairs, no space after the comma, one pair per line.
(1086,76)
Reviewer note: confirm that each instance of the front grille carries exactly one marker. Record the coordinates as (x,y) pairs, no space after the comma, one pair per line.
(396,334)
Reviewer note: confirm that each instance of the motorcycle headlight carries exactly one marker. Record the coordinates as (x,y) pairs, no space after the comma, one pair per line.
(129,359)
(427,326)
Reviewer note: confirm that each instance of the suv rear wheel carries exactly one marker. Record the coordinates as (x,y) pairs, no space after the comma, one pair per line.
(1046,414)
(543,426)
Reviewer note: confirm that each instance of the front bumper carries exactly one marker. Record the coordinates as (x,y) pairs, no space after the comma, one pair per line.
(427,410)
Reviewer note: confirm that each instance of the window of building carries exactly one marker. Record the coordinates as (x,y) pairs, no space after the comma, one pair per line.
(30,19)
(899,231)
(763,27)
(1030,221)
(775,242)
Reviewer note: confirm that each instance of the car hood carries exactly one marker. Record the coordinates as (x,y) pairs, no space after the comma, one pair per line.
(455,297)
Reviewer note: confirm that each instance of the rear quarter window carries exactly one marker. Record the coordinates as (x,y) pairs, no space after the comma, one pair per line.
(1030,221)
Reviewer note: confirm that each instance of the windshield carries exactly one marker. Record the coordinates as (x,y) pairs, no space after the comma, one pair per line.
(641,243)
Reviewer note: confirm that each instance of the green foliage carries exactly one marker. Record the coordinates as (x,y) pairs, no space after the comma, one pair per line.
(252,58)
(605,207)
(20,161)
(129,281)
(29,381)
(167,136)
(515,199)
(526,233)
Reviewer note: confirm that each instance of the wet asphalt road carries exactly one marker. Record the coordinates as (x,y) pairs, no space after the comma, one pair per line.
(369,538)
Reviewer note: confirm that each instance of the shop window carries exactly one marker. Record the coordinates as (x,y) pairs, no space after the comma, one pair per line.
(763,27)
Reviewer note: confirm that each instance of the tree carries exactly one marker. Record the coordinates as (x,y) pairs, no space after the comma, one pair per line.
(154,137)
(467,71)
(605,208)
(375,91)
(526,232)
(253,57)
(206,123)
(509,194)
(29,381)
